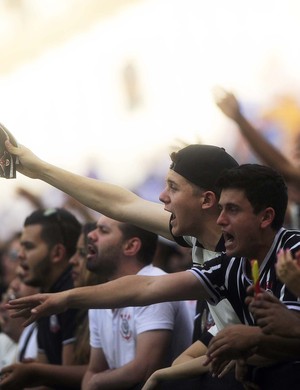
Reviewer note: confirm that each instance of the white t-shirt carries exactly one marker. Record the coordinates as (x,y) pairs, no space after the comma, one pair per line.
(115,331)
(8,350)
(28,337)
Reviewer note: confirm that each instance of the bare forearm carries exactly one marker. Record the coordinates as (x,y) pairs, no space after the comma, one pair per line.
(129,290)
(111,200)
(103,197)
(264,149)
(120,378)
(188,369)
(57,375)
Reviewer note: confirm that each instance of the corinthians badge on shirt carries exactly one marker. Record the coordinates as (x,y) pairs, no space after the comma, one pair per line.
(126,332)
(54,324)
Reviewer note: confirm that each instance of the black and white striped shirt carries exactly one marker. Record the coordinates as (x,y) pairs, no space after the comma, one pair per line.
(226,277)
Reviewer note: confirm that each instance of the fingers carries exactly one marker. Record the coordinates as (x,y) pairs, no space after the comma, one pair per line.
(207,361)
(29,321)
(218,92)
(284,257)
(228,367)
(11,148)
(218,366)
(265,300)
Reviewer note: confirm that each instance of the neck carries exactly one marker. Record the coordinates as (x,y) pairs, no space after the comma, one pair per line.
(53,276)
(263,246)
(126,268)
(210,237)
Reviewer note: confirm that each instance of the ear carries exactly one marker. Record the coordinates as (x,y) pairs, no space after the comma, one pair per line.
(57,253)
(267,218)
(132,246)
(209,199)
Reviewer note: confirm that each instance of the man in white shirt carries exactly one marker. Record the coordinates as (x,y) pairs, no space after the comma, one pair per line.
(129,343)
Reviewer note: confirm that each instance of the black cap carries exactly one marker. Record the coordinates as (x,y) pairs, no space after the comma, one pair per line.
(202,164)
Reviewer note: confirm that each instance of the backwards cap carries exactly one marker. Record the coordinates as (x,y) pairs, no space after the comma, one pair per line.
(202,164)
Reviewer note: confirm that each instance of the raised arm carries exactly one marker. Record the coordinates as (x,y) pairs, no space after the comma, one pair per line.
(132,290)
(111,200)
(265,151)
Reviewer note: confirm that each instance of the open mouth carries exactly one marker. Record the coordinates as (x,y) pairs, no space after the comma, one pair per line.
(172,217)
(91,251)
(228,238)
(24,267)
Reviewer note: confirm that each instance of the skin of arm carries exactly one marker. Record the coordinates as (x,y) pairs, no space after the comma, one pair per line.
(229,105)
(132,290)
(151,349)
(288,270)
(20,375)
(111,200)
(41,373)
(189,364)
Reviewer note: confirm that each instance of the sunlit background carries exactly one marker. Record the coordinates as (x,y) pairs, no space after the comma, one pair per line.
(106,88)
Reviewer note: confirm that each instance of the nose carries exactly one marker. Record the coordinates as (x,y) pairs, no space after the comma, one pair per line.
(164,197)
(71,260)
(21,253)
(221,219)
(91,236)
(74,259)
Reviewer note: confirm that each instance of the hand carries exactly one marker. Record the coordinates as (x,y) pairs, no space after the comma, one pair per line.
(227,367)
(242,375)
(35,306)
(232,342)
(273,317)
(16,376)
(288,270)
(227,103)
(29,164)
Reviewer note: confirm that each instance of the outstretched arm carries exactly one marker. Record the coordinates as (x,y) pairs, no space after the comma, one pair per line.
(132,290)
(266,152)
(111,200)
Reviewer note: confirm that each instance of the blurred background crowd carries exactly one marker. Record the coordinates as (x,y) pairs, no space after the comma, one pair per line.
(107,88)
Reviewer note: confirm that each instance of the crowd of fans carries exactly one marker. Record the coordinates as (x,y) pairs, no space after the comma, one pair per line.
(119,292)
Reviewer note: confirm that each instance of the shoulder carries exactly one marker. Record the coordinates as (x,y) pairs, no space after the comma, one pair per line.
(151,270)
(288,239)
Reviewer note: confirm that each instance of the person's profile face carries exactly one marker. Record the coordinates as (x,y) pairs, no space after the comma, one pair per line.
(34,256)
(78,262)
(105,247)
(184,204)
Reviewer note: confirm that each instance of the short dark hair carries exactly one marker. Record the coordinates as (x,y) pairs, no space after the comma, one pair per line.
(58,226)
(148,240)
(263,186)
